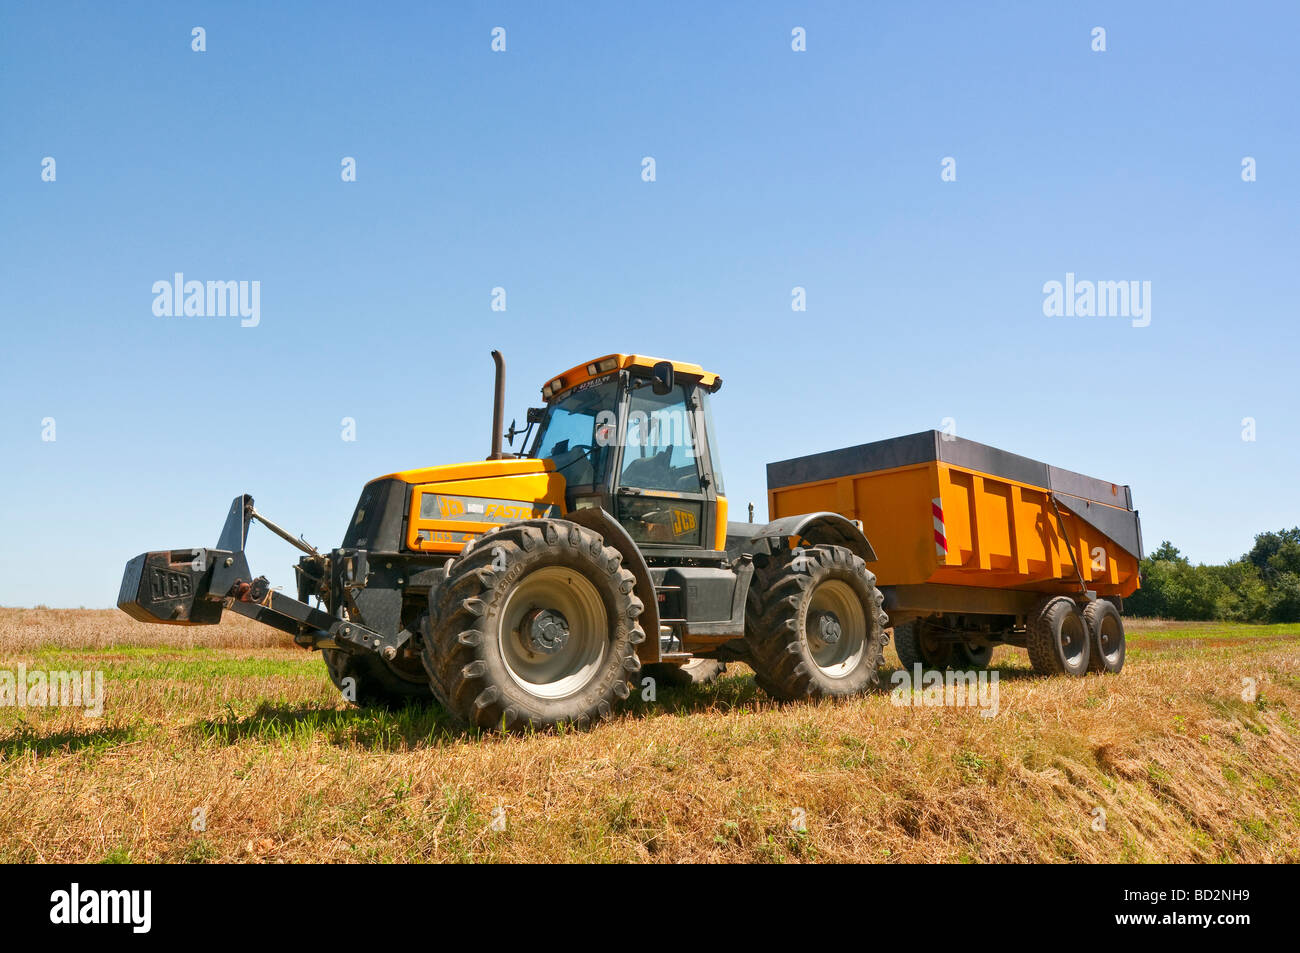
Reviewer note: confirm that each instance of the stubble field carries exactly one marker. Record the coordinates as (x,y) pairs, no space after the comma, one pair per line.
(221,744)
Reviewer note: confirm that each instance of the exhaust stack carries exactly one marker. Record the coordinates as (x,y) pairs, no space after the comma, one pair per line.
(498,406)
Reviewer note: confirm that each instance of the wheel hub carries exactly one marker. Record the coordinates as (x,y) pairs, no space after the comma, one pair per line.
(545,631)
(828,627)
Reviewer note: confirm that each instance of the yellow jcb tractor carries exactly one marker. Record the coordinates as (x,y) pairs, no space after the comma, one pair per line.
(538,588)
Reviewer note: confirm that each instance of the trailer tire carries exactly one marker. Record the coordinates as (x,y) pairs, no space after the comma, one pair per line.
(535,625)
(791,654)
(1106,629)
(375,683)
(914,648)
(698,671)
(1057,638)
(968,656)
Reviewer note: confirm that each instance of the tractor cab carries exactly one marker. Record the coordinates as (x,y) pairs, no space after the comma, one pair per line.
(633,436)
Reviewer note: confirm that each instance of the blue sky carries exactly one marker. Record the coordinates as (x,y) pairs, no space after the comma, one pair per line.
(522,169)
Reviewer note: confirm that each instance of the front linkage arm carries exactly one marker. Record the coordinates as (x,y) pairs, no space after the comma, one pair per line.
(194,586)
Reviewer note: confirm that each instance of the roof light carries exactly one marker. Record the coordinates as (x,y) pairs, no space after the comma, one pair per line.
(601,367)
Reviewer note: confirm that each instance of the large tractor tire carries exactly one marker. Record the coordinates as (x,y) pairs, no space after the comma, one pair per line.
(698,671)
(535,624)
(916,642)
(376,683)
(1107,631)
(816,628)
(1057,638)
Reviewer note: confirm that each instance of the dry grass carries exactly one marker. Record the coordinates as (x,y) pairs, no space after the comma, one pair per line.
(25,630)
(232,721)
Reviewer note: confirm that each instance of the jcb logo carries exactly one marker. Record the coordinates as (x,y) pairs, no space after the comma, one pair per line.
(683,522)
(449,508)
(164,585)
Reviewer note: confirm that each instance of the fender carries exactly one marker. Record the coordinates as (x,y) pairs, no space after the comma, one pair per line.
(615,535)
(814,528)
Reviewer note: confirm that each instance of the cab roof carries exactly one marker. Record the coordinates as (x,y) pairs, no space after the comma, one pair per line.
(602,365)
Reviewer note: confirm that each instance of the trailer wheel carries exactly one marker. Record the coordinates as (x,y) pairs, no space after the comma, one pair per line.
(376,683)
(698,671)
(968,656)
(817,628)
(1057,638)
(1107,631)
(915,643)
(536,624)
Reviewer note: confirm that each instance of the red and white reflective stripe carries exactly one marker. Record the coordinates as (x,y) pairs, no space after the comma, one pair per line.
(940,534)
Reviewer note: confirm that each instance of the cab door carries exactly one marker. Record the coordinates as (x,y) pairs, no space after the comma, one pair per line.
(661,494)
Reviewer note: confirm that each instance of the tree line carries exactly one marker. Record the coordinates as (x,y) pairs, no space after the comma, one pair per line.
(1261,586)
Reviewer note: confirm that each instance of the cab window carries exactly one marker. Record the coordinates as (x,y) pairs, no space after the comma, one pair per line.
(659,452)
(577,433)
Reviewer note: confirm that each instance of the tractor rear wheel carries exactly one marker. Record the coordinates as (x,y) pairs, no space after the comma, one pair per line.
(535,624)
(368,681)
(698,671)
(816,628)
(1057,638)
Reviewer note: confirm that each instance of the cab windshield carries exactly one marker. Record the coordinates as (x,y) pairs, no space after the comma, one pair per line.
(578,431)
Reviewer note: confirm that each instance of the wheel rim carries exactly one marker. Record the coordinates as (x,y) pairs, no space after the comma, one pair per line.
(836,628)
(1110,639)
(1074,638)
(554,632)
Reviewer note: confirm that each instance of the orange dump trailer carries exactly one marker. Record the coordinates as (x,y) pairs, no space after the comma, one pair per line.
(973,544)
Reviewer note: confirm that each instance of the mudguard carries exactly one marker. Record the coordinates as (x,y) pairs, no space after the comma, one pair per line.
(615,535)
(825,527)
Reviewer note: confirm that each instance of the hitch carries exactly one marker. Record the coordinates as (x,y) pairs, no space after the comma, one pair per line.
(194,587)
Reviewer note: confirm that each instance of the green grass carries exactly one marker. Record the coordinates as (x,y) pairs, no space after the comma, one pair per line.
(1139,630)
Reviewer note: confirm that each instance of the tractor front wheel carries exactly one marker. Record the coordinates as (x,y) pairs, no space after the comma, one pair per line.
(535,624)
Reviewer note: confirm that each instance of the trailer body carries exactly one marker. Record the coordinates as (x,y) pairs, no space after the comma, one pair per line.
(959,526)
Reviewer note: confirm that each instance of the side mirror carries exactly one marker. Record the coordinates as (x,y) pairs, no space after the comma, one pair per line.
(662,378)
